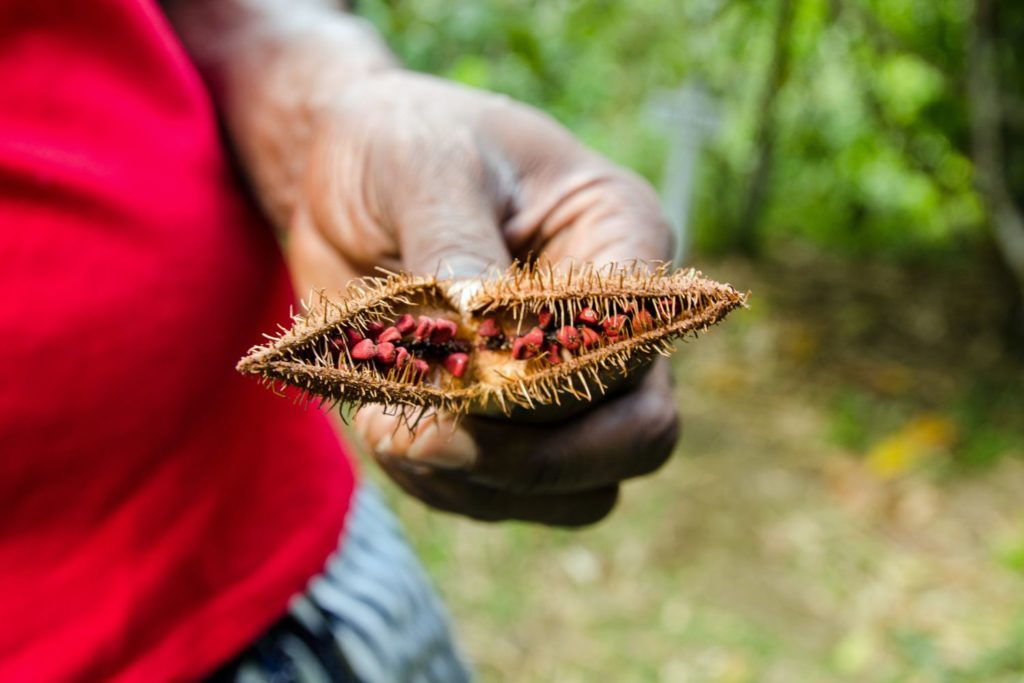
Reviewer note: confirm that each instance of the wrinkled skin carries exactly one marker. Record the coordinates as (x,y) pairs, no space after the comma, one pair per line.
(407,171)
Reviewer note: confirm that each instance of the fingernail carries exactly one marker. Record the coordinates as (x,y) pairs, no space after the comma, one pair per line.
(462,292)
(458,452)
(384,446)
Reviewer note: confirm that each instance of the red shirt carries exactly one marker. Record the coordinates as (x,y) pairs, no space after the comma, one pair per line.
(157,510)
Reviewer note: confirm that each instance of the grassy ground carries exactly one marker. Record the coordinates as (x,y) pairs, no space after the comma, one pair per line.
(847,504)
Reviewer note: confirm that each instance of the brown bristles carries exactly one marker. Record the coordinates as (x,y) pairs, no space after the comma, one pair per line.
(526,338)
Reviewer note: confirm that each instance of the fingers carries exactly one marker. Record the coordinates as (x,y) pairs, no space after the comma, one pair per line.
(627,436)
(424,175)
(597,213)
(572,203)
(312,262)
(453,492)
(401,177)
(435,441)
(434,463)
(617,217)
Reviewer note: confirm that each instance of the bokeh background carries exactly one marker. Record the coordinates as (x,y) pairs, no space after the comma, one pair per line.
(847,502)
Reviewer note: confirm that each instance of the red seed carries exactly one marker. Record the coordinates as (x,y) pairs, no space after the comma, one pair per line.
(444,331)
(385,353)
(521,350)
(534,337)
(614,324)
(569,337)
(420,367)
(364,350)
(554,353)
(456,363)
(424,326)
(545,318)
(588,316)
(528,345)
(489,329)
(353,336)
(642,320)
(405,323)
(402,357)
(390,334)
(373,330)
(338,343)
(590,337)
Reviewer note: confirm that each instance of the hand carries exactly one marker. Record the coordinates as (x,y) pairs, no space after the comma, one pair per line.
(408,171)
(365,165)
(564,474)
(415,173)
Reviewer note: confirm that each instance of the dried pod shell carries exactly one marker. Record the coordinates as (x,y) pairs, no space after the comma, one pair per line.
(462,353)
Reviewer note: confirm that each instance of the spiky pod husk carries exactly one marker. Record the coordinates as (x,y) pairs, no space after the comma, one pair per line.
(641,310)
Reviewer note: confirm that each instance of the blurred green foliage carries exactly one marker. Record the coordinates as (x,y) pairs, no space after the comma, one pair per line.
(869,121)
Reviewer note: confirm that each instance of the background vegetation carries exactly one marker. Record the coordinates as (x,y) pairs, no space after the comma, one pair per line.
(847,504)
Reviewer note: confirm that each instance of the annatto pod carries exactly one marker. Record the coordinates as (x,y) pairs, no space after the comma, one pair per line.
(531,336)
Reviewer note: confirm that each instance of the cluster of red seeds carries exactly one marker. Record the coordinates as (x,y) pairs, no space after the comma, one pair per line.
(589,330)
(412,342)
(408,341)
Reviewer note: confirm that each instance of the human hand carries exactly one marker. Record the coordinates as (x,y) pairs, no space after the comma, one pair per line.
(362,164)
(414,173)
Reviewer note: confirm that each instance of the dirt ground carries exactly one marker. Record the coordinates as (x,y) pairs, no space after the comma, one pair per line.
(847,504)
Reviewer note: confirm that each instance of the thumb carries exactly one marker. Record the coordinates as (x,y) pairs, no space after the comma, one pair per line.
(453,238)
(449,209)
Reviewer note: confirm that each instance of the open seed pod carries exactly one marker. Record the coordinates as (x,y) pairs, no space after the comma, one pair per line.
(533,336)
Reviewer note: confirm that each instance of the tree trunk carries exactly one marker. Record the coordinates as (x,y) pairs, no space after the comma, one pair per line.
(748,228)
(988,127)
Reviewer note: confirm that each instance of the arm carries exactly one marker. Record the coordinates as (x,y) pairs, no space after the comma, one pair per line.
(275,69)
(370,165)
